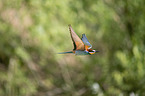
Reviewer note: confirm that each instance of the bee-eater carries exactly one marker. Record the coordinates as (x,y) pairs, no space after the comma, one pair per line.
(81,46)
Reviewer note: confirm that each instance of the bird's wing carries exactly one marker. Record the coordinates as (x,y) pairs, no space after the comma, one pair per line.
(86,42)
(78,43)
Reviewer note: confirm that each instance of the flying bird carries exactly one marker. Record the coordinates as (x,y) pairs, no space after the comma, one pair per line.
(81,46)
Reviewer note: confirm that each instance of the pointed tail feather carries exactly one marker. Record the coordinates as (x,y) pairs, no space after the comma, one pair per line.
(65,52)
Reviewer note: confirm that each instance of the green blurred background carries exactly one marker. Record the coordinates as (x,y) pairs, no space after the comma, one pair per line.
(32,32)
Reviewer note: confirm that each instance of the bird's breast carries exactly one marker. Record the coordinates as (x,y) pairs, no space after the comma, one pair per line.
(79,52)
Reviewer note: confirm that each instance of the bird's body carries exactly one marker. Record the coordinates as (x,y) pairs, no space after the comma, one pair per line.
(81,46)
(79,52)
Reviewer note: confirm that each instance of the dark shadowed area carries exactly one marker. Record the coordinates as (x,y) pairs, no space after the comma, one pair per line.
(32,32)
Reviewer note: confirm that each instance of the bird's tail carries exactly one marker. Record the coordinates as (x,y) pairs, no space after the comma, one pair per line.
(65,52)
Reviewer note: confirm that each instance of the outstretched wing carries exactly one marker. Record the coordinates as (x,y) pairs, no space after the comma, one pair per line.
(78,43)
(86,42)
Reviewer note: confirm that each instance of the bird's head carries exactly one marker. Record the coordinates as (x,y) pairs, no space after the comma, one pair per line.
(93,52)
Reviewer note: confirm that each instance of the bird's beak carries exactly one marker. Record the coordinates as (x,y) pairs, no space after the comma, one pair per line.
(97,51)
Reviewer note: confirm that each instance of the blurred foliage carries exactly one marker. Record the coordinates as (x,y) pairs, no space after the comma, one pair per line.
(34,31)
